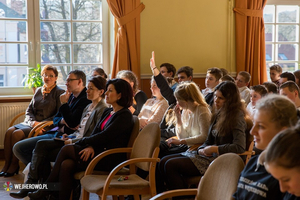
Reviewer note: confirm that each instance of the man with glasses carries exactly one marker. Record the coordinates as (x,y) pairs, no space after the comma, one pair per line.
(73,102)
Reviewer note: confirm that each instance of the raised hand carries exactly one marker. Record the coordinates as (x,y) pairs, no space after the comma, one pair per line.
(152,65)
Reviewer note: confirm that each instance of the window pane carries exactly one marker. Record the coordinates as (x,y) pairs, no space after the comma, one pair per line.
(55,53)
(87,53)
(269,52)
(287,51)
(288,66)
(63,72)
(13,53)
(269,13)
(87,10)
(55,31)
(288,33)
(287,13)
(13,76)
(88,69)
(84,32)
(13,31)
(55,9)
(269,32)
(13,9)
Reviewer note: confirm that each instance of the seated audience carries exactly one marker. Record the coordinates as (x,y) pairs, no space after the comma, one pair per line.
(282,161)
(100,72)
(112,131)
(275,71)
(73,102)
(226,134)
(192,118)
(167,127)
(154,108)
(256,93)
(168,70)
(43,107)
(227,78)
(46,150)
(224,72)
(286,76)
(271,87)
(273,114)
(139,97)
(297,77)
(212,79)
(242,81)
(291,91)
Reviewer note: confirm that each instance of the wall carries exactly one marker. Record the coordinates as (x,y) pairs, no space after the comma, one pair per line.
(197,33)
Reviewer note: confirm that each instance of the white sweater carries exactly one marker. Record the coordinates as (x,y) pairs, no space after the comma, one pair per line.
(194,128)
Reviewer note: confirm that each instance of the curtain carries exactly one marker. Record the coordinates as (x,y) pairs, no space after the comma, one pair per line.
(127,49)
(250,39)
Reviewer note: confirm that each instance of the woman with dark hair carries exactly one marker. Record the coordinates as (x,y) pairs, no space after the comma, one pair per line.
(283,162)
(274,113)
(226,134)
(139,97)
(43,106)
(112,131)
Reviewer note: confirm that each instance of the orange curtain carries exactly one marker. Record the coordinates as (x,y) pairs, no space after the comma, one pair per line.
(127,49)
(250,39)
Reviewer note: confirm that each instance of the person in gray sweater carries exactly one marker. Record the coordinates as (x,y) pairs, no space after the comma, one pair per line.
(43,107)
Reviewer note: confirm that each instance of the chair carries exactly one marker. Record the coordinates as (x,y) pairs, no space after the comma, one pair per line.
(194,180)
(15,118)
(36,130)
(124,171)
(218,183)
(144,155)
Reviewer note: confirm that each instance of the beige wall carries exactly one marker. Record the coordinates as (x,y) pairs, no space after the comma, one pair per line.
(197,33)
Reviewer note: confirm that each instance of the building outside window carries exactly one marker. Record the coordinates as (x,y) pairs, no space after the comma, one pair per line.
(282,34)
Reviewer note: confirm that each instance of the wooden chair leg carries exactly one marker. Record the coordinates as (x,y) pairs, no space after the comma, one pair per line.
(115,197)
(136,197)
(121,197)
(85,195)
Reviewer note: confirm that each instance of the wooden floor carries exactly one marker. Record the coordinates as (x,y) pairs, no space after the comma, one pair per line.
(18,179)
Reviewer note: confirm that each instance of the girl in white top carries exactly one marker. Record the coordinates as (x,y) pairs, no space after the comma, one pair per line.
(193,122)
(154,109)
(256,93)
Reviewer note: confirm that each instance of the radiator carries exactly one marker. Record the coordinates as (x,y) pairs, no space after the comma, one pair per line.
(7,112)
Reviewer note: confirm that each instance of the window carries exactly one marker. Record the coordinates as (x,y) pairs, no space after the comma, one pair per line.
(1,79)
(282,34)
(65,33)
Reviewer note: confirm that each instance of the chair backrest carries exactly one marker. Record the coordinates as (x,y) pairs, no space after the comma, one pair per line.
(220,180)
(145,143)
(135,131)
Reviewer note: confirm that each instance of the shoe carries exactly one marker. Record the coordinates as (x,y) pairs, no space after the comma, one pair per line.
(12,174)
(19,195)
(38,195)
(2,173)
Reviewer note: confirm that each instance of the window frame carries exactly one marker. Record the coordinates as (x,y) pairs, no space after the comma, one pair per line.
(275,54)
(34,56)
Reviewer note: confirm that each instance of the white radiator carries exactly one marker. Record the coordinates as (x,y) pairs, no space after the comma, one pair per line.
(7,112)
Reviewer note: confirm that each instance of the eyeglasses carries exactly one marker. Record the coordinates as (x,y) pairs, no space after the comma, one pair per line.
(48,76)
(71,79)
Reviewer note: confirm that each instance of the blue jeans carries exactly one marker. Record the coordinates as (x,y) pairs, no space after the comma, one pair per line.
(23,149)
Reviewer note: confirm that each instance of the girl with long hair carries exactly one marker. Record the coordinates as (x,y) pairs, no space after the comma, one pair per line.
(191,117)
(226,134)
